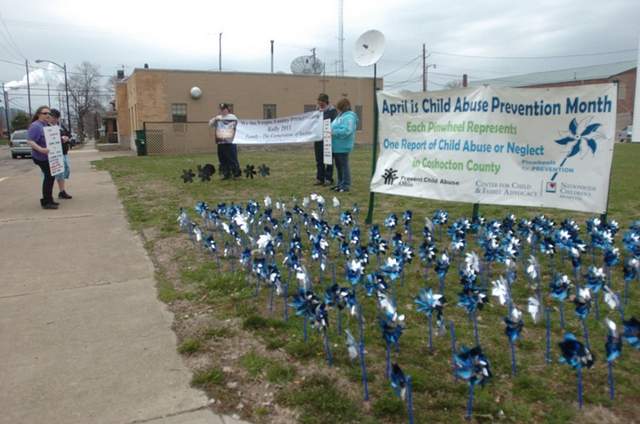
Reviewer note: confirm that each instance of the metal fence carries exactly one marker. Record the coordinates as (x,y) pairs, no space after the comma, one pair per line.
(167,138)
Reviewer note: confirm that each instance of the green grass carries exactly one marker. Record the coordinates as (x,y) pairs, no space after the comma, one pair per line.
(254,363)
(320,402)
(152,192)
(189,346)
(212,376)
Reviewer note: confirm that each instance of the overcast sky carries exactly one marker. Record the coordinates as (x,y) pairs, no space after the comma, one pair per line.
(485,39)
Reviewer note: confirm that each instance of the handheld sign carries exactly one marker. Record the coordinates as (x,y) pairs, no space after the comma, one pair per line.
(326,142)
(54,144)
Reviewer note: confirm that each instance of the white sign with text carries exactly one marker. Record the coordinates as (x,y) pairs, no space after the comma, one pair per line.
(326,143)
(54,144)
(301,128)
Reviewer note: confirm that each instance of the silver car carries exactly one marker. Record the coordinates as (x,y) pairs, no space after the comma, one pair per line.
(18,144)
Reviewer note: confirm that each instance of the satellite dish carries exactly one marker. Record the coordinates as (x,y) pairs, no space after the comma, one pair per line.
(307,65)
(195,92)
(369,48)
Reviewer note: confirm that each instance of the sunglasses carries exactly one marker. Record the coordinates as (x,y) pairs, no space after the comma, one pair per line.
(45,113)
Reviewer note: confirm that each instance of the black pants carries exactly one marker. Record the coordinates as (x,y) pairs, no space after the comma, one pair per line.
(323,172)
(228,157)
(47,182)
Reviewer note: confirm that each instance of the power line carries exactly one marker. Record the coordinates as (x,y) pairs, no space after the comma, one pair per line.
(536,57)
(12,41)
(401,67)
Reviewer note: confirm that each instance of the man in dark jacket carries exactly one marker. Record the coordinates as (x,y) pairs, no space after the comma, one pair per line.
(324,173)
(65,136)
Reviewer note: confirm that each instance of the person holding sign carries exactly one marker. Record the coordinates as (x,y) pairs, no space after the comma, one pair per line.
(224,126)
(40,154)
(66,145)
(324,173)
(343,135)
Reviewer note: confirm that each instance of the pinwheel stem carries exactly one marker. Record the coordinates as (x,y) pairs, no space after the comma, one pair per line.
(285,306)
(363,367)
(626,293)
(474,318)
(513,357)
(409,400)
(597,305)
(388,359)
(361,325)
(327,347)
(271,293)
(612,391)
(586,333)
(452,330)
(430,319)
(547,317)
(339,313)
(470,402)
(579,387)
(442,284)
(562,315)
(333,273)
(304,330)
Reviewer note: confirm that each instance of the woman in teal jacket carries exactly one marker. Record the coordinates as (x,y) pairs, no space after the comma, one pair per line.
(343,135)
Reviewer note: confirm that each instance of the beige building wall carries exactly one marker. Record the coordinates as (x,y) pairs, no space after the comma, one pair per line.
(151,92)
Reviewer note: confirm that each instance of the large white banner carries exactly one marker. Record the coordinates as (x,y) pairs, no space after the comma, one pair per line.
(54,144)
(547,147)
(301,128)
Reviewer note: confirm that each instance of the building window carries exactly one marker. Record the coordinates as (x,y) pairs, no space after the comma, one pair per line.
(179,112)
(310,108)
(358,112)
(269,111)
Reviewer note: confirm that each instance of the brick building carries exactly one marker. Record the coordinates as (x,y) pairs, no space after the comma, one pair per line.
(159,102)
(624,73)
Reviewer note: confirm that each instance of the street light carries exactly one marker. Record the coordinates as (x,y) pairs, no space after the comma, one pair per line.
(66,86)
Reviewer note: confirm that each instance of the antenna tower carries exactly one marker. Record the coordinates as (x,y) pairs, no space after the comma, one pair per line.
(341,37)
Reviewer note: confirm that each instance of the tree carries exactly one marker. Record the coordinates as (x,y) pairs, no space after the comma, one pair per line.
(20,121)
(84,89)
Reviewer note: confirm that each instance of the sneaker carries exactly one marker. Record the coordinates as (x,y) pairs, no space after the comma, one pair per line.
(64,195)
(342,190)
(335,188)
(50,206)
(318,183)
(329,183)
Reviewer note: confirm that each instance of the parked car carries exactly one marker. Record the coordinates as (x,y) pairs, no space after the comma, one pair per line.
(625,135)
(18,144)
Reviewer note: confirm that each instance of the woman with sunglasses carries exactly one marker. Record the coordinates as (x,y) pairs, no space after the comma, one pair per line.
(39,154)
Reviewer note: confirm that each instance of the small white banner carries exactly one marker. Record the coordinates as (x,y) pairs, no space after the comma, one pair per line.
(301,128)
(327,158)
(546,147)
(54,144)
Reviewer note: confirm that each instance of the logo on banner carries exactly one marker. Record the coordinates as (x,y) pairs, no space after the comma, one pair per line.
(390,175)
(577,139)
(552,186)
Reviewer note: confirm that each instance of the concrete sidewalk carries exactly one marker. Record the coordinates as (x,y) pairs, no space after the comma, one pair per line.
(83,338)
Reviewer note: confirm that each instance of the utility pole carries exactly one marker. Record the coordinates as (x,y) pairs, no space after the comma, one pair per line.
(6,109)
(272,56)
(313,54)
(26,63)
(424,67)
(465,80)
(220,52)
(49,95)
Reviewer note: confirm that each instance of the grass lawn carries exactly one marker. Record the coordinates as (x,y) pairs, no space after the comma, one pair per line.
(271,370)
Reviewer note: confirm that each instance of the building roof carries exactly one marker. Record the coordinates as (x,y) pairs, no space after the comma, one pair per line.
(270,74)
(583,73)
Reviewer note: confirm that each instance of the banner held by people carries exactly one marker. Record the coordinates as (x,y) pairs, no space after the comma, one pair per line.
(547,147)
(303,128)
(54,144)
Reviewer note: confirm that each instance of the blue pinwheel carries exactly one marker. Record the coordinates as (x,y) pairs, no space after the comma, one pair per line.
(577,356)
(472,299)
(513,329)
(631,332)
(613,347)
(441,268)
(588,135)
(401,385)
(428,304)
(559,289)
(392,268)
(375,284)
(631,271)
(391,331)
(355,270)
(472,366)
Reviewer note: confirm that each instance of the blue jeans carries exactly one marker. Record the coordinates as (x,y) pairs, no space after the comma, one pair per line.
(342,166)
(67,170)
